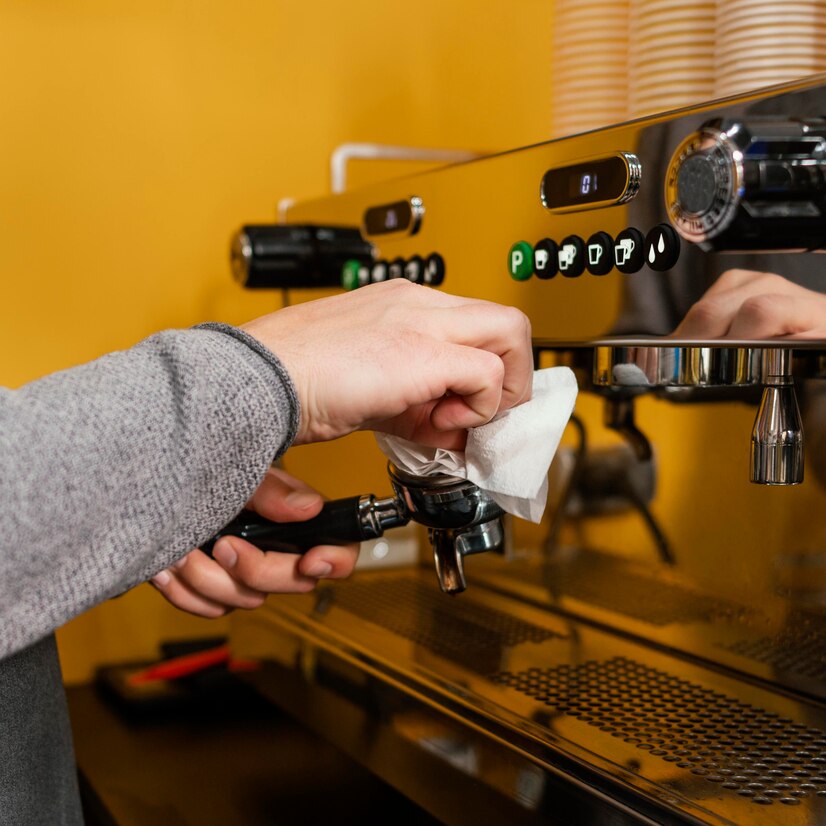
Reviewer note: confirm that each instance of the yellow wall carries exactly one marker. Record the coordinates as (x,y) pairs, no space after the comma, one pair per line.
(137,136)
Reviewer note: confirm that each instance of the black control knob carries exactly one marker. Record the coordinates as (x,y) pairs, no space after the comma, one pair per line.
(274,256)
(751,185)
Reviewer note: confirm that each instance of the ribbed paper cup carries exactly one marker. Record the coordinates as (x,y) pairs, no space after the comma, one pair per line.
(590,65)
(671,57)
(761,43)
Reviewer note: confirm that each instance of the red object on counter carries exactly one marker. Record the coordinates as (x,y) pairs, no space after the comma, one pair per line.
(189,664)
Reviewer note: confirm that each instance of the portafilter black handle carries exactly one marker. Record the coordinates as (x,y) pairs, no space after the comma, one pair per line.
(354,519)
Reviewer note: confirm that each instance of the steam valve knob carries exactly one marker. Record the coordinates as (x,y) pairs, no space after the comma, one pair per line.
(277,256)
(751,185)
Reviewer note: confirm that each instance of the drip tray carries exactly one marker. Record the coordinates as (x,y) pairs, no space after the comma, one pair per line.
(775,643)
(753,752)
(628,717)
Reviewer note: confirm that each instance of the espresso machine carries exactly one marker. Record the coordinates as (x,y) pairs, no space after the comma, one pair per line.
(655,650)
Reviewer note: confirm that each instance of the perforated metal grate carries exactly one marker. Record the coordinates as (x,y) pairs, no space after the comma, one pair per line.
(593,578)
(453,627)
(799,649)
(746,750)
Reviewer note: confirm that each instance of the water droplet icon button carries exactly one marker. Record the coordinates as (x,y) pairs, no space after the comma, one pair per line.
(662,248)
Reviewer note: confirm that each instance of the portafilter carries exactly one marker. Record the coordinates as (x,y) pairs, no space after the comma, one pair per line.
(461,519)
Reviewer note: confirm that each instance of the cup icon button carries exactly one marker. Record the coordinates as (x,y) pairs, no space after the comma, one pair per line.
(434,270)
(396,268)
(629,251)
(545,259)
(571,256)
(414,269)
(600,248)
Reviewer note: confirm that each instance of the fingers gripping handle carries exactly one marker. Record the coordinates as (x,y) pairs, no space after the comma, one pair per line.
(354,519)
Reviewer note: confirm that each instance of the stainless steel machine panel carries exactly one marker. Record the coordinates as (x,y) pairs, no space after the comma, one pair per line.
(655,651)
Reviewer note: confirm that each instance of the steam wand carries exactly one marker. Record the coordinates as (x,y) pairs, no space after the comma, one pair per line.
(619,416)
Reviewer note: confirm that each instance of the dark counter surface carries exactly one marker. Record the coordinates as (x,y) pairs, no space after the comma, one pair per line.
(227,758)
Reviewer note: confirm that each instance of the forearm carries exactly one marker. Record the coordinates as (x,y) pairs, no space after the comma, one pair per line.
(112,470)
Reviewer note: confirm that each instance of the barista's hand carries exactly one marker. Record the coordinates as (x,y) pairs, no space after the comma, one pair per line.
(240,576)
(746,304)
(401,358)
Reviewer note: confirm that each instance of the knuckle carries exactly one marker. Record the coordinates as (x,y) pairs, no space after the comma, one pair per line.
(518,321)
(731,276)
(252,575)
(758,308)
(398,285)
(705,311)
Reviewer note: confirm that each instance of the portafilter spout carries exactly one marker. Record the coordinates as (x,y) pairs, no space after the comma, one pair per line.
(461,519)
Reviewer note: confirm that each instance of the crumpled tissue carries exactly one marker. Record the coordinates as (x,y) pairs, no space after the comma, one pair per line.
(509,456)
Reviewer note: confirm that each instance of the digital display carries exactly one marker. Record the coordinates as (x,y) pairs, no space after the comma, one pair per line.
(584,184)
(401,216)
(600,182)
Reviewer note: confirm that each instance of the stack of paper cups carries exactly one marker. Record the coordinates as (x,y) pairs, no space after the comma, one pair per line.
(762,42)
(671,57)
(590,65)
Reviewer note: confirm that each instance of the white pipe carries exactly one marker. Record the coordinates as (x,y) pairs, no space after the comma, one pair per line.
(346,152)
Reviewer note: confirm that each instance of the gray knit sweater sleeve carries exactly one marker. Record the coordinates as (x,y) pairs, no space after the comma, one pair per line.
(111,471)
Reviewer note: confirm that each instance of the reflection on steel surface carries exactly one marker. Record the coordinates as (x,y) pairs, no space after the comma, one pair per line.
(609,582)
(464,632)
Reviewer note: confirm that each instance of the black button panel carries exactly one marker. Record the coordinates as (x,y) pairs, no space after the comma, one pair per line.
(429,271)
(629,252)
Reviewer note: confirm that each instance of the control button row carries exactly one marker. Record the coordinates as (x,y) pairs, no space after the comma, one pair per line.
(629,252)
(429,271)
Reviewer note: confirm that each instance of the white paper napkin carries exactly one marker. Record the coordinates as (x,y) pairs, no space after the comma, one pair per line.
(509,457)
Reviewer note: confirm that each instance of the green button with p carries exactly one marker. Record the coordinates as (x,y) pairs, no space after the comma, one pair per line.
(520,261)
